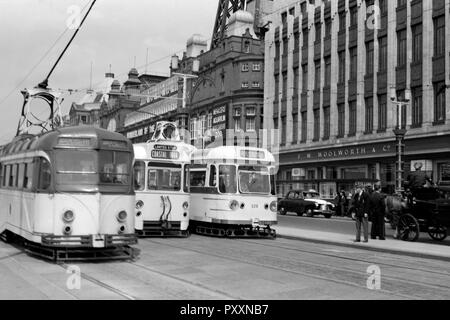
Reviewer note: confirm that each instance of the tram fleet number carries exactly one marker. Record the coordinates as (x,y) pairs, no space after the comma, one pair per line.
(228,309)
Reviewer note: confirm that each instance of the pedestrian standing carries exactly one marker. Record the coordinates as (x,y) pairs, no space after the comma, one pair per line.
(377,213)
(361,204)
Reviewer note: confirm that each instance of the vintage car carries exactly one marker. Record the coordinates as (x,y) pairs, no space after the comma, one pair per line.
(305,202)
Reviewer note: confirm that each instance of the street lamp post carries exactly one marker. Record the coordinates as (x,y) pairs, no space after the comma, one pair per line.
(400,132)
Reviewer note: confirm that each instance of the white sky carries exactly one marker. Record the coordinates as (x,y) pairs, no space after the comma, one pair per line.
(115,32)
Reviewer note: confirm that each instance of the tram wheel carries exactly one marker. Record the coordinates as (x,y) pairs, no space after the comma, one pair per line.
(408,228)
(438,233)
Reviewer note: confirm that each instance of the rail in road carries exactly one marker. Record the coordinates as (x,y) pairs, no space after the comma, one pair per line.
(209,268)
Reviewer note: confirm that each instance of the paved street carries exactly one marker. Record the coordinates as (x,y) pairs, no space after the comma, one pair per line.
(342,226)
(202,268)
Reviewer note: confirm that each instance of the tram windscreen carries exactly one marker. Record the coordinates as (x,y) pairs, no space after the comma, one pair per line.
(167,178)
(227,179)
(253,179)
(114,167)
(76,167)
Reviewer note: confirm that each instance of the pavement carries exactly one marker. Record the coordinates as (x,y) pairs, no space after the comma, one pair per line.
(287,229)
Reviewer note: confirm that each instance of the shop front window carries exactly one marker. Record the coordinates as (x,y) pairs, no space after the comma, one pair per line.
(444,173)
(353,173)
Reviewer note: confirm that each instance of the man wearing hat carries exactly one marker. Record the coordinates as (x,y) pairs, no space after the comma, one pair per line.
(361,204)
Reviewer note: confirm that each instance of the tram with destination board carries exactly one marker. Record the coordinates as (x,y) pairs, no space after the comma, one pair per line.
(161,182)
(67,194)
(233,192)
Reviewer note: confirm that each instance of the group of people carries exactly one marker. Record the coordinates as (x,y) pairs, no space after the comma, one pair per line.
(368,205)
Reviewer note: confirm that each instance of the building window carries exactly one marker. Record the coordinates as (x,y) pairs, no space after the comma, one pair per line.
(342,21)
(402,53)
(296,81)
(256,84)
(284,96)
(292,11)
(244,84)
(341,67)
(383,54)
(341,120)
(294,128)
(247,47)
(277,87)
(326,123)
(305,78)
(318,32)
(277,50)
(383,7)
(284,17)
(244,67)
(328,28)
(304,126)
(417,107)
(327,71)
(369,115)
(237,112)
(210,121)
(237,124)
(316,124)
(317,75)
(305,39)
(353,17)
(439,102)
(369,58)
(417,43)
(382,113)
(353,119)
(439,36)
(283,131)
(285,47)
(256,67)
(296,41)
(251,111)
(353,63)
(401,3)
(250,124)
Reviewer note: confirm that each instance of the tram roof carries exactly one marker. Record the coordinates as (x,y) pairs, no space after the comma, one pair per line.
(147,151)
(234,153)
(68,137)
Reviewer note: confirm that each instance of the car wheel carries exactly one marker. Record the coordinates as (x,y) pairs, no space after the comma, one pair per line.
(299,213)
(309,213)
(282,211)
(328,216)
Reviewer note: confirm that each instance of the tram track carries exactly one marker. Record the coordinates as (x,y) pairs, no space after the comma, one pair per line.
(101,284)
(329,270)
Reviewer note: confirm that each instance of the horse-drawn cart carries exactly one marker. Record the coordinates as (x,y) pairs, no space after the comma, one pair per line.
(421,210)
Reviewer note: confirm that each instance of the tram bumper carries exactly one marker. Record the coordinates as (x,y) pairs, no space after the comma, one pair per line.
(89,241)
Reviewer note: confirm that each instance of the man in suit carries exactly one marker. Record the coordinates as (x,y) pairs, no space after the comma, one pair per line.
(361,204)
(377,212)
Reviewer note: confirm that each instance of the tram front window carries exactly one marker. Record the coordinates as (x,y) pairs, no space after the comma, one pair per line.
(76,167)
(114,167)
(164,178)
(227,179)
(254,180)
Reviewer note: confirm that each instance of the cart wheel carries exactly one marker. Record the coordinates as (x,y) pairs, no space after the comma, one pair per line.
(438,233)
(408,228)
(282,211)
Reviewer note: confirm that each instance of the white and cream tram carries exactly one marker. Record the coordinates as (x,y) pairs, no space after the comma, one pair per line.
(161,181)
(233,192)
(67,194)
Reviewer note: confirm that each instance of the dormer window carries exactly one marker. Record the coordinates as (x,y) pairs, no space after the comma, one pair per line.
(247,47)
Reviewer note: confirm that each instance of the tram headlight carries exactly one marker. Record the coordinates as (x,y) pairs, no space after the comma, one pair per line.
(67,230)
(273,206)
(122,216)
(185,205)
(68,216)
(234,205)
(139,204)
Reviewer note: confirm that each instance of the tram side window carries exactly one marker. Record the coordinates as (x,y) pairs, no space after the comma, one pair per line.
(11,176)
(213,176)
(227,179)
(139,175)
(187,178)
(6,175)
(21,175)
(45,175)
(27,174)
(198,178)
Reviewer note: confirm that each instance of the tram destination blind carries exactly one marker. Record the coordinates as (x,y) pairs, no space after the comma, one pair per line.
(165,152)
